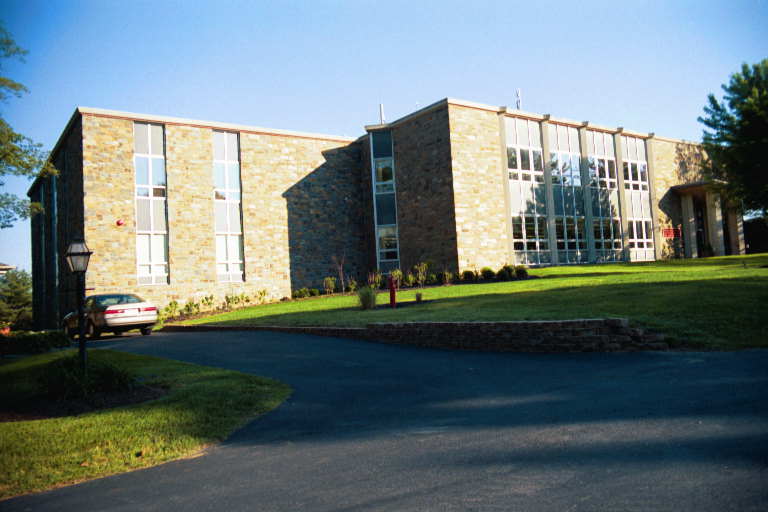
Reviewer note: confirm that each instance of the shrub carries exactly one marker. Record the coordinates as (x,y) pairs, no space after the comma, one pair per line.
(192,307)
(409,280)
(506,273)
(352,285)
(521,272)
(207,301)
(487,274)
(445,277)
(397,277)
(432,279)
(468,276)
(374,279)
(301,293)
(329,284)
(64,379)
(314,292)
(32,342)
(261,296)
(421,273)
(419,297)
(172,309)
(367,297)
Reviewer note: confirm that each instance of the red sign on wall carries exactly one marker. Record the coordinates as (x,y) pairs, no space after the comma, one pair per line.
(671,232)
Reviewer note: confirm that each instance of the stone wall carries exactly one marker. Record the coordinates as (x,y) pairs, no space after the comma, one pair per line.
(302,205)
(673,163)
(425,207)
(584,335)
(478,188)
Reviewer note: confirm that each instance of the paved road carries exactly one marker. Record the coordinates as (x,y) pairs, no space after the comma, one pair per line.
(377,427)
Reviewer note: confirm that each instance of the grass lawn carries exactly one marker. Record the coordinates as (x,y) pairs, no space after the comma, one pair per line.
(203,405)
(710,303)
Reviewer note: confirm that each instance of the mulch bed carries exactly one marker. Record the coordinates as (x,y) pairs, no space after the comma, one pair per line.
(43,408)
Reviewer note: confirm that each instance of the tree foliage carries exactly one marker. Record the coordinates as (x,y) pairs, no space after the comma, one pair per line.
(16,299)
(19,155)
(737,140)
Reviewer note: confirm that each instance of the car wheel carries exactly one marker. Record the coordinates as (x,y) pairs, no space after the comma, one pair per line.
(146,331)
(91,331)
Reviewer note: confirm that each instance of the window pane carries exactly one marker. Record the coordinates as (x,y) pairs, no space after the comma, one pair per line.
(643,172)
(158,192)
(218,145)
(579,200)
(233,176)
(557,192)
(142,170)
(510,132)
(515,198)
(525,160)
(537,161)
(142,248)
(540,195)
(517,227)
(219,178)
(609,151)
(234,217)
(522,132)
(220,213)
(576,169)
(158,172)
(140,138)
(385,209)
(142,192)
(387,238)
(573,139)
(159,249)
(221,248)
(535,134)
(143,222)
(158,210)
(157,139)
(626,171)
(384,170)
(640,149)
(232,152)
(511,158)
(382,143)
(233,248)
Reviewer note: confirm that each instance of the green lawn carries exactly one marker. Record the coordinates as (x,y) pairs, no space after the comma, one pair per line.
(711,302)
(204,405)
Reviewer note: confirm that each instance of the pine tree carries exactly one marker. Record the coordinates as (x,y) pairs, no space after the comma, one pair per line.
(737,145)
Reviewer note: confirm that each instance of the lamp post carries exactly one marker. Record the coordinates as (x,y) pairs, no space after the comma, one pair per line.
(78,255)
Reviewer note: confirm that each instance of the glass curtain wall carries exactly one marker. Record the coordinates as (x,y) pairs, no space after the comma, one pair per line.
(385,204)
(151,205)
(227,207)
(528,205)
(603,183)
(565,157)
(637,195)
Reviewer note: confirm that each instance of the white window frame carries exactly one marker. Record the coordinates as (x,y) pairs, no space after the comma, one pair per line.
(383,188)
(564,145)
(159,273)
(234,264)
(638,197)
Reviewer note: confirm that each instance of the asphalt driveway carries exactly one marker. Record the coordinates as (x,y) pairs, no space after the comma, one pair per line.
(379,427)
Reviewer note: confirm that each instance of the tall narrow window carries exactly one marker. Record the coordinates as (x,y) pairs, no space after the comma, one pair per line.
(385,204)
(151,208)
(528,205)
(227,207)
(603,181)
(568,194)
(638,198)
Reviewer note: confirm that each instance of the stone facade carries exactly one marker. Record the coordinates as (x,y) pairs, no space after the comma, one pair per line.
(307,203)
(673,163)
(587,335)
(302,205)
(478,188)
(425,201)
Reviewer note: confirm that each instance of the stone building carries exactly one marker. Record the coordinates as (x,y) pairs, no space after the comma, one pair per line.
(178,209)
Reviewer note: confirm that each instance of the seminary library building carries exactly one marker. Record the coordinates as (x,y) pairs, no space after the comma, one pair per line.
(175,209)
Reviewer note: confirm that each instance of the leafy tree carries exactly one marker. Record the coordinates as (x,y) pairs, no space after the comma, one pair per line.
(19,155)
(16,299)
(737,145)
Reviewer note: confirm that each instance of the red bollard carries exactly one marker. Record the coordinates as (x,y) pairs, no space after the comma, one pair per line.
(392,293)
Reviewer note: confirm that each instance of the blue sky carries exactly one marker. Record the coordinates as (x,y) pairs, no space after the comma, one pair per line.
(324,66)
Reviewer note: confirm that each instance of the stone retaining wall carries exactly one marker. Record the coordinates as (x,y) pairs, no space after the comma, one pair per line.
(584,335)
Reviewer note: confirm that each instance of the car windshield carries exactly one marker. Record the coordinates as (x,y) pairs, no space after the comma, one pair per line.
(118,298)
